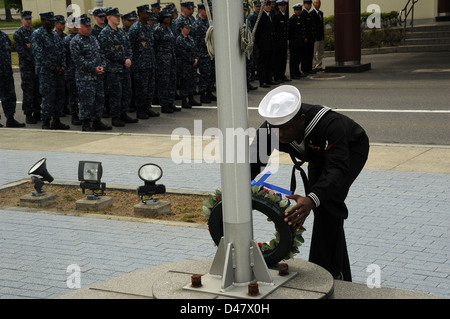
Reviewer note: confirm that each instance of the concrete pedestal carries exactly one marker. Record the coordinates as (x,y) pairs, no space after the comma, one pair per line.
(103,203)
(38,201)
(152,210)
(167,281)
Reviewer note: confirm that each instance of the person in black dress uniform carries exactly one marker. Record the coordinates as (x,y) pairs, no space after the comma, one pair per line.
(295,42)
(281,21)
(336,149)
(309,37)
(264,39)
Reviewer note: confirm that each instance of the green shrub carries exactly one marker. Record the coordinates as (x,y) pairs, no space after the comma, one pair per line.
(36,24)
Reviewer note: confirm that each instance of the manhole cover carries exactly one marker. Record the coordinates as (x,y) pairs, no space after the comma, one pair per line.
(327,77)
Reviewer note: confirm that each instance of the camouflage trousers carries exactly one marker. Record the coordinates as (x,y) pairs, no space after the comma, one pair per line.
(166,79)
(188,79)
(206,78)
(8,94)
(118,92)
(72,99)
(143,88)
(92,99)
(52,90)
(30,88)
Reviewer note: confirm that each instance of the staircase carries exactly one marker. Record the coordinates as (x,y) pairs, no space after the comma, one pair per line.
(427,38)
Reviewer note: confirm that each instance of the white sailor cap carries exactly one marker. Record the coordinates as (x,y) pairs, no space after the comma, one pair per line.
(280,105)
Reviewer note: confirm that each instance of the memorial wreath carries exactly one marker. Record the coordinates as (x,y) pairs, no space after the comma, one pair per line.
(287,240)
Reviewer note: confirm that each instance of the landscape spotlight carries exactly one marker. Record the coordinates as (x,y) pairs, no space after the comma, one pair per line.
(40,169)
(90,174)
(150,174)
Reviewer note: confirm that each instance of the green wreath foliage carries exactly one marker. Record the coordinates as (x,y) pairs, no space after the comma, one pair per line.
(271,197)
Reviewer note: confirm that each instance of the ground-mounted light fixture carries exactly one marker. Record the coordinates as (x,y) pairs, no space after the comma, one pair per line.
(150,174)
(90,174)
(40,169)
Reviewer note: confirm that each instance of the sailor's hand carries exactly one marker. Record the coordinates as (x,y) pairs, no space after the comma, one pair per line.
(297,214)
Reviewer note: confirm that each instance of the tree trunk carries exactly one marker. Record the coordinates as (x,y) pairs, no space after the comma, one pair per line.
(8,15)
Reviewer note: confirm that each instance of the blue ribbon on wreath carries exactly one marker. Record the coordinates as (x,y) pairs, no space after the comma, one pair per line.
(262,182)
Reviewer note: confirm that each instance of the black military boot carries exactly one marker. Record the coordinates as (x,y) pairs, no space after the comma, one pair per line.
(151,112)
(76,120)
(204,98)
(117,121)
(166,109)
(211,96)
(57,125)
(11,122)
(127,119)
(174,108)
(30,119)
(86,126)
(193,102)
(185,104)
(141,114)
(100,126)
(46,125)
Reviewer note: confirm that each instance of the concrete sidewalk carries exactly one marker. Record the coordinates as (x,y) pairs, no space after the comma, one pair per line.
(398,214)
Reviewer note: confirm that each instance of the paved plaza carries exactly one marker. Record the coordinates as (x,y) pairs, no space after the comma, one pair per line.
(398,221)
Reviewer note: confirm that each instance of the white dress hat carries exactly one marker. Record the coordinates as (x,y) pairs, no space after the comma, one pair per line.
(280,105)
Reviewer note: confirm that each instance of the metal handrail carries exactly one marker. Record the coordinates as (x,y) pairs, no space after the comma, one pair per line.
(405,12)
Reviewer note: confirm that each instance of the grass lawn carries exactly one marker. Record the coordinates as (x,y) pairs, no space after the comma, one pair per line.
(13,24)
(14,59)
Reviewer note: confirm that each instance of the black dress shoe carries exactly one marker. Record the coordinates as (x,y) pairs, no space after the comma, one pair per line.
(285,79)
(273,83)
(264,85)
(251,87)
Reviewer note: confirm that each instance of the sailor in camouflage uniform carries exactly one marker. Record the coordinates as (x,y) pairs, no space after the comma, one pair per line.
(115,45)
(7,89)
(187,60)
(89,73)
(31,104)
(205,64)
(69,76)
(50,63)
(143,69)
(165,62)
(187,8)
(100,22)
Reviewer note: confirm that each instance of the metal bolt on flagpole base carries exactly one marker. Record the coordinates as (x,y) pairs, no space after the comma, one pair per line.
(221,280)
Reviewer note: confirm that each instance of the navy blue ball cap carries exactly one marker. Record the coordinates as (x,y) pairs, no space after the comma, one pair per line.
(144,8)
(113,12)
(26,14)
(99,12)
(60,19)
(50,16)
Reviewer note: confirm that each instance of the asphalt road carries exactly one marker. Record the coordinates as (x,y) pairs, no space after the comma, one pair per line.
(404,99)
